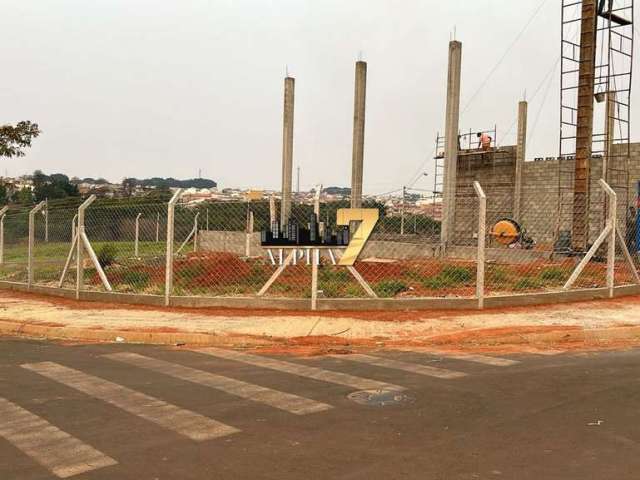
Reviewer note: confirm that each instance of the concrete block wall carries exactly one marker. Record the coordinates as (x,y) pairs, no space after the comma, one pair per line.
(539,213)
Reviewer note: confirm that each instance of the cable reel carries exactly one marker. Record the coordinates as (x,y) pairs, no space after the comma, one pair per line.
(507,232)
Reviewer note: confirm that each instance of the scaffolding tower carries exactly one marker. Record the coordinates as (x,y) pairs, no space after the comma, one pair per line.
(596,64)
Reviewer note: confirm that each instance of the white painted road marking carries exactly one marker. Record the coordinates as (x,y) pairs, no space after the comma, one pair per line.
(284,401)
(405,366)
(52,448)
(467,357)
(300,370)
(190,424)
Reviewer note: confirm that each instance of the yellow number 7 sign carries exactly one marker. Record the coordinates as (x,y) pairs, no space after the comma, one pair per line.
(368,217)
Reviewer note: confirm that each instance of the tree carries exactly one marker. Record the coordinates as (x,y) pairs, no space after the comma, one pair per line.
(24,196)
(129,186)
(13,140)
(53,186)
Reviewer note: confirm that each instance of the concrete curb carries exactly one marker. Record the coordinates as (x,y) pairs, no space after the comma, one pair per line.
(34,330)
(559,336)
(563,335)
(334,304)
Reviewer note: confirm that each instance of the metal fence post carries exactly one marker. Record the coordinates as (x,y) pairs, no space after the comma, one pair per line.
(157,227)
(32,228)
(247,246)
(73,226)
(3,213)
(195,232)
(137,239)
(482,221)
(168,279)
(612,223)
(609,232)
(46,221)
(79,247)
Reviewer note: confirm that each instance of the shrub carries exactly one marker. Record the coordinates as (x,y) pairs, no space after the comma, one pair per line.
(450,276)
(353,291)
(390,288)
(436,283)
(552,274)
(136,279)
(188,273)
(257,274)
(457,274)
(498,275)
(327,274)
(331,289)
(107,255)
(527,283)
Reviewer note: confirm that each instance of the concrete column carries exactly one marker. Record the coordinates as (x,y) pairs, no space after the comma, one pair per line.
(521,151)
(608,165)
(272,211)
(358,133)
(584,126)
(609,134)
(451,142)
(287,149)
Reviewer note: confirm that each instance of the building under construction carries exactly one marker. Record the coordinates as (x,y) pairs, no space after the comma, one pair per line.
(557,199)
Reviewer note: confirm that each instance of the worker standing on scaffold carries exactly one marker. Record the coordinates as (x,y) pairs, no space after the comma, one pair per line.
(484,141)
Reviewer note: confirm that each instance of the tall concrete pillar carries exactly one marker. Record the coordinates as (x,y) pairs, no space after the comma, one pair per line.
(451,142)
(584,126)
(609,134)
(521,151)
(287,149)
(609,165)
(358,134)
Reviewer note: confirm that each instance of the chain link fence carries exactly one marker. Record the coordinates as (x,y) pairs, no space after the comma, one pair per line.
(215,249)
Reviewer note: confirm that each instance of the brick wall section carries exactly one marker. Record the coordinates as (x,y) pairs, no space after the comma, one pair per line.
(540,212)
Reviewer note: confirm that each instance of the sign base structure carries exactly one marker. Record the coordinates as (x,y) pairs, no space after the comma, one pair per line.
(311,255)
(312,242)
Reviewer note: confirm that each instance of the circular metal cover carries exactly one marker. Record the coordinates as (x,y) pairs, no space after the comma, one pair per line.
(380,398)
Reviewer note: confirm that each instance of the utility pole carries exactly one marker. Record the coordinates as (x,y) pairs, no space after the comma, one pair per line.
(298,181)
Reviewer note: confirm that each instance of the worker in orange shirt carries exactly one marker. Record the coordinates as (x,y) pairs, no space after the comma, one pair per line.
(484,141)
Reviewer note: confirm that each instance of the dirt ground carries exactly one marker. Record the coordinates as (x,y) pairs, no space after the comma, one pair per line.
(560,327)
(311,332)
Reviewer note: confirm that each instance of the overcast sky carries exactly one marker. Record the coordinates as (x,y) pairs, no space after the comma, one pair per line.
(163,88)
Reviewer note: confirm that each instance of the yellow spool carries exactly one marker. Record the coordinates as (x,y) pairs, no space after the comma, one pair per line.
(506,232)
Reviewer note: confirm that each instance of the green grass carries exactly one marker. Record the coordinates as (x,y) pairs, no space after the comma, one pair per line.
(450,276)
(553,274)
(497,275)
(138,280)
(17,252)
(390,288)
(527,283)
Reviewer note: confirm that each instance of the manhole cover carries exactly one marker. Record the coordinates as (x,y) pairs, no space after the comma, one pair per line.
(380,398)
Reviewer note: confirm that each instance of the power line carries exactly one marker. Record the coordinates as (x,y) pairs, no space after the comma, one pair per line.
(506,53)
(544,99)
(535,94)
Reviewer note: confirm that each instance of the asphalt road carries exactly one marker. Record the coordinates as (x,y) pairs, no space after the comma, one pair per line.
(138,412)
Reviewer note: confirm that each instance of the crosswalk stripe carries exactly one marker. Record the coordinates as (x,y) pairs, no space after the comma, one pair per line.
(467,357)
(470,357)
(307,371)
(52,448)
(405,366)
(284,401)
(190,424)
